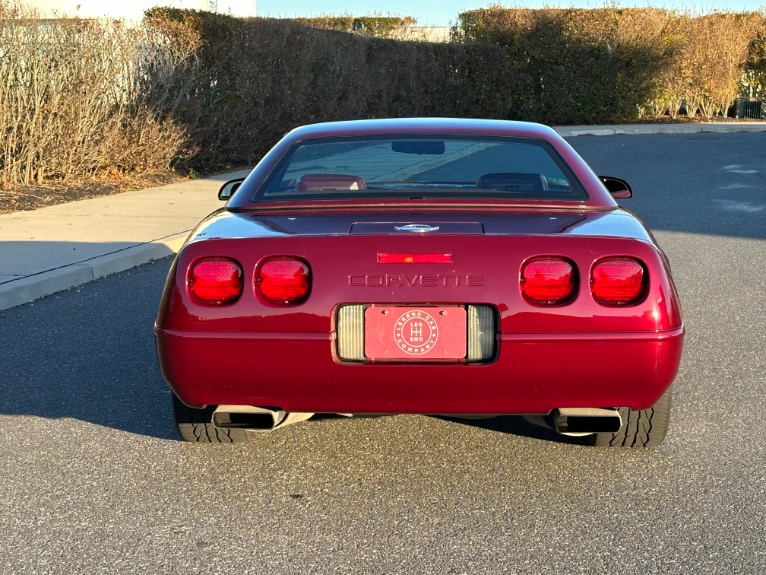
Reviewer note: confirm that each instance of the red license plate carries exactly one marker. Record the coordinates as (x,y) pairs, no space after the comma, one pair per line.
(415,333)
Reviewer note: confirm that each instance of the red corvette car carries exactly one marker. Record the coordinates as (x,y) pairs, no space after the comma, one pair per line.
(430,266)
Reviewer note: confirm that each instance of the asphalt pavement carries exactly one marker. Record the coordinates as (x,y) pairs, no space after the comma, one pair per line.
(51,249)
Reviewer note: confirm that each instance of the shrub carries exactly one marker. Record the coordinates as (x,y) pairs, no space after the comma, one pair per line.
(614,64)
(76,97)
(258,78)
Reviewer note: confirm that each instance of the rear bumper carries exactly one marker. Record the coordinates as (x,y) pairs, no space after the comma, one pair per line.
(533,374)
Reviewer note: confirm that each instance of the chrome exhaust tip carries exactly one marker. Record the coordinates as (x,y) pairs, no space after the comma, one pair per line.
(252,418)
(576,421)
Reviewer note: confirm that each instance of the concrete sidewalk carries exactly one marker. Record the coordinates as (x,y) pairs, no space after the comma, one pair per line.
(52,249)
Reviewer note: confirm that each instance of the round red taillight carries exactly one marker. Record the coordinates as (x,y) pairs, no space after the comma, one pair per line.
(618,281)
(283,280)
(216,280)
(548,281)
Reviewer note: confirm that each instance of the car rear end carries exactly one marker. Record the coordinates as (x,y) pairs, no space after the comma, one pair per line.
(412,323)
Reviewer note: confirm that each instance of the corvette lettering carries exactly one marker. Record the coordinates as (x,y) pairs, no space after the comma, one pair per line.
(414,280)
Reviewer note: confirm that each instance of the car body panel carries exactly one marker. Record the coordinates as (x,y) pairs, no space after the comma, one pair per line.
(493,221)
(533,374)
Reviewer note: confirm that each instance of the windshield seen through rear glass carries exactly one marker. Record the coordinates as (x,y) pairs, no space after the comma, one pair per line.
(413,167)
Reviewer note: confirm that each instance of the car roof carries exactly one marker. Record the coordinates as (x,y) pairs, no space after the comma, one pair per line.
(462,126)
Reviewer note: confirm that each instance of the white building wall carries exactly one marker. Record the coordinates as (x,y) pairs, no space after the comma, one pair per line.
(134,10)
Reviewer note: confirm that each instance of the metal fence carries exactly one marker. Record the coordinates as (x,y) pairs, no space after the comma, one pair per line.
(752,108)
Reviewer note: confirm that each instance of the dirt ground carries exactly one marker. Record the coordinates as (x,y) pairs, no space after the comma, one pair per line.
(55,192)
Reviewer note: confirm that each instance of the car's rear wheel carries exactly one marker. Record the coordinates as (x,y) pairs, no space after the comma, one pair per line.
(642,428)
(196,425)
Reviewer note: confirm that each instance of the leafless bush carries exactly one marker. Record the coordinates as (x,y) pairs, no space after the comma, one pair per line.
(709,59)
(78,97)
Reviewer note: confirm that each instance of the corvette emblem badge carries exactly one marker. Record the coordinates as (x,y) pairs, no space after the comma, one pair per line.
(416,332)
(417,228)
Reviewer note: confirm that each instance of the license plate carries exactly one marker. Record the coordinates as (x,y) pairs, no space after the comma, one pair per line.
(415,333)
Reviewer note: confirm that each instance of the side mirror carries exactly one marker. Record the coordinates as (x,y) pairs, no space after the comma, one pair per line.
(227,190)
(617,187)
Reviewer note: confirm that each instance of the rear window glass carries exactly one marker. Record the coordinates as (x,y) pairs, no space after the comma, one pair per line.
(422,167)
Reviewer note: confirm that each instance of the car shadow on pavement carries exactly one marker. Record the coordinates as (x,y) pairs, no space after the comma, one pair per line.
(87,353)
(516,425)
(506,424)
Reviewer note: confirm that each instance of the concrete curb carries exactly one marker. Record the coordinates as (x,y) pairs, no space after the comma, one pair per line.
(27,289)
(650,129)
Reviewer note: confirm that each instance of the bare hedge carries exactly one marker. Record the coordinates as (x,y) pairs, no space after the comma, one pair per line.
(78,97)
(209,91)
(553,66)
(611,63)
(261,77)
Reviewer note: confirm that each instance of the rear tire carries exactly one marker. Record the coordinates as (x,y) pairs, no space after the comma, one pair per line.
(642,428)
(196,425)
